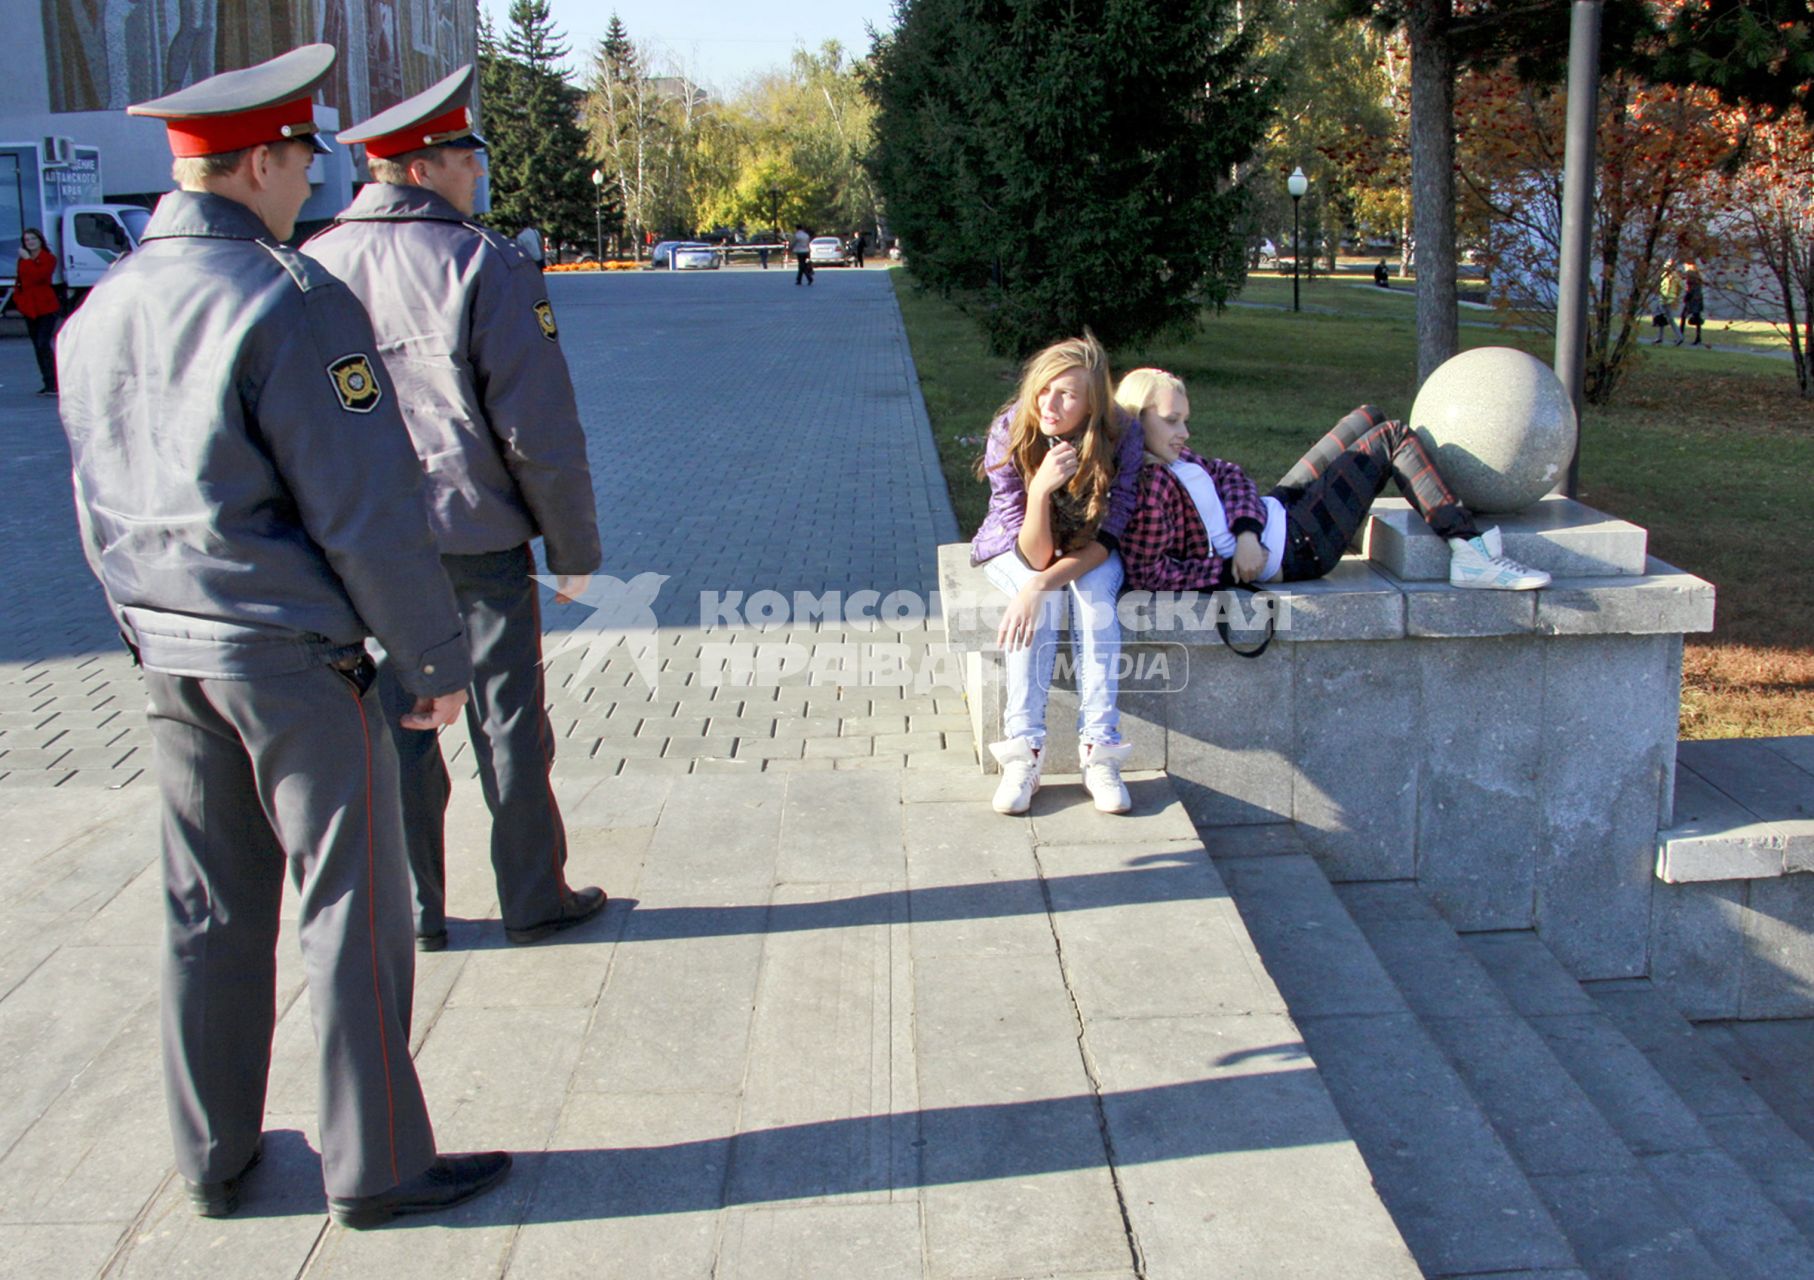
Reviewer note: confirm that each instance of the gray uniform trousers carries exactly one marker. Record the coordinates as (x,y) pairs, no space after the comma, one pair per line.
(255,775)
(512,742)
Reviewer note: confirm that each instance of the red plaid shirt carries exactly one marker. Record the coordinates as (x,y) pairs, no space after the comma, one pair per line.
(1166,547)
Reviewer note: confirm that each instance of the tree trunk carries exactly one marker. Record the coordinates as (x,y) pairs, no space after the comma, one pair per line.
(1433,181)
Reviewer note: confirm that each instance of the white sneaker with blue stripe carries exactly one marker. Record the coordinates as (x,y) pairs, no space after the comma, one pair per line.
(1481,562)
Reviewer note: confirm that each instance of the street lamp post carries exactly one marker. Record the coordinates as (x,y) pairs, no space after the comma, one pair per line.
(598,213)
(1297,184)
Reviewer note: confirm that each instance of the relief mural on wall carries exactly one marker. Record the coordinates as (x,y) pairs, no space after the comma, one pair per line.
(104,54)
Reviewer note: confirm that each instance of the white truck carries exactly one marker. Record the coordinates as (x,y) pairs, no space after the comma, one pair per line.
(55,185)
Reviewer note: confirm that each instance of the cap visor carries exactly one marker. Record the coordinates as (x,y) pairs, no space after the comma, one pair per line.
(319,147)
(472,141)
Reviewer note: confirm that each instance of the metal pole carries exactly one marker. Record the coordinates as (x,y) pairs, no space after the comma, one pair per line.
(598,228)
(1577,213)
(1294,253)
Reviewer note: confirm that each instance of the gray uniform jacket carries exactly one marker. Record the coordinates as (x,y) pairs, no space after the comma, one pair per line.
(245,488)
(467,335)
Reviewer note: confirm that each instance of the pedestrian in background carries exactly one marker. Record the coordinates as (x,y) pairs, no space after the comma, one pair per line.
(857,247)
(1669,292)
(254,511)
(803,255)
(1694,301)
(532,243)
(470,340)
(37,300)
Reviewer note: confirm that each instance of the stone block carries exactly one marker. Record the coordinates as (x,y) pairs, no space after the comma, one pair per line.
(1761,780)
(1455,1191)
(1440,611)
(1229,738)
(1621,1227)
(1664,600)
(1222,1129)
(655,1035)
(1356,734)
(1716,838)
(629,1176)
(822,1242)
(1478,811)
(1529,975)
(1558,535)
(1309,944)
(820,1048)
(1063,813)
(1697,946)
(1609,723)
(1124,913)
(1350,602)
(718,830)
(839,829)
(1779,949)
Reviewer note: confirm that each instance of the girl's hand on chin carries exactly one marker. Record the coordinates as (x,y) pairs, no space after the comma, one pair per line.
(1059,466)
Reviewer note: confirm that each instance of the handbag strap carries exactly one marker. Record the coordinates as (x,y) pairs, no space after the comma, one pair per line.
(1222,628)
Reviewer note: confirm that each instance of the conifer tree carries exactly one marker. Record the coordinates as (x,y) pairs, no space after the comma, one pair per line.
(540,169)
(1057,165)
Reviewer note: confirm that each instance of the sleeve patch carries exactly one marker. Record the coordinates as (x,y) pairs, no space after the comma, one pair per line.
(544,316)
(355,384)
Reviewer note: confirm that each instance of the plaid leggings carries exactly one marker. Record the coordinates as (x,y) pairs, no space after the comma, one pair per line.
(1328,493)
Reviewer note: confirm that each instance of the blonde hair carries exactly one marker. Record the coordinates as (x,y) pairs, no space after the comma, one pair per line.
(1138,387)
(395,169)
(192,171)
(1088,489)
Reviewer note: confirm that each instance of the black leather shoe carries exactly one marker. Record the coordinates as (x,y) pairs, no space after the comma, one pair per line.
(450,1180)
(221,1199)
(581,905)
(432,941)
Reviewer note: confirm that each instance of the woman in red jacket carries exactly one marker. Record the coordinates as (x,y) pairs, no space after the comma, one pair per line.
(37,301)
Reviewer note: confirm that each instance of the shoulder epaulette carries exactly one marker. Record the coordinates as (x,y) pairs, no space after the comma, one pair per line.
(304,270)
(512,251)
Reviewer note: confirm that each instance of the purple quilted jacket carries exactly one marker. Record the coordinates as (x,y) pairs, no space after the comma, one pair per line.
(1008,494)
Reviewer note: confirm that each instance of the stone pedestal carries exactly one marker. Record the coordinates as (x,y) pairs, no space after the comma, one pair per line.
(1511,751)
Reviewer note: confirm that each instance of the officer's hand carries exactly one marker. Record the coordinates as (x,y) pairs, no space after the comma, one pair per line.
(570,587)
(435,713)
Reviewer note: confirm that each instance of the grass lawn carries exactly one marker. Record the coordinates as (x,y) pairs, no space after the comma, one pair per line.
(1712,451)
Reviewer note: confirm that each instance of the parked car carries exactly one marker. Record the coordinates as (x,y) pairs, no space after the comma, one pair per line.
(828,251)
(695,256)
(663,251)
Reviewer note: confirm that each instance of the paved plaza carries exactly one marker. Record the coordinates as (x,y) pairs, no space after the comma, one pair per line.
(840,1020)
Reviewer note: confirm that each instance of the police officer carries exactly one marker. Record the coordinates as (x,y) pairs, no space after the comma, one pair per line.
(466,333)
(249,500)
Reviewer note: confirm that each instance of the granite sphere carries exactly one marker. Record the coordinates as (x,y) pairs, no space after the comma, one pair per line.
(1499,425)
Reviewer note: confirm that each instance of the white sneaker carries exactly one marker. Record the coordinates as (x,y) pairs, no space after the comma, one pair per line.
(1101,764)
(1481,562)
(1020,763)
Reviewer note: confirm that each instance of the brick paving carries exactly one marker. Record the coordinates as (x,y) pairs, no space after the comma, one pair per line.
(759,442)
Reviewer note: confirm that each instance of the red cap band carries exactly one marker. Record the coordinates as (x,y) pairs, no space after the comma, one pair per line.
(210,135)
(446,127)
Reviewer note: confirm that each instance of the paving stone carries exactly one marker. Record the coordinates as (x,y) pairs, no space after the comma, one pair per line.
(823,1242)
(1222,1126)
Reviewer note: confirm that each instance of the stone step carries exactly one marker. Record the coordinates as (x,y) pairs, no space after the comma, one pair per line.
(1744,810)
(1737,1116)
(1456,1193)
(1619,1222)
(1772,1057)
(1558,535)
(1730,1213)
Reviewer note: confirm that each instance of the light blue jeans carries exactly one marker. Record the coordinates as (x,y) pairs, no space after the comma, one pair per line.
(1089,603)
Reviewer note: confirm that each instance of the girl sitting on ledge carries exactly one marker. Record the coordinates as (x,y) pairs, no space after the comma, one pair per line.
(1201,524)
(1062,464)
